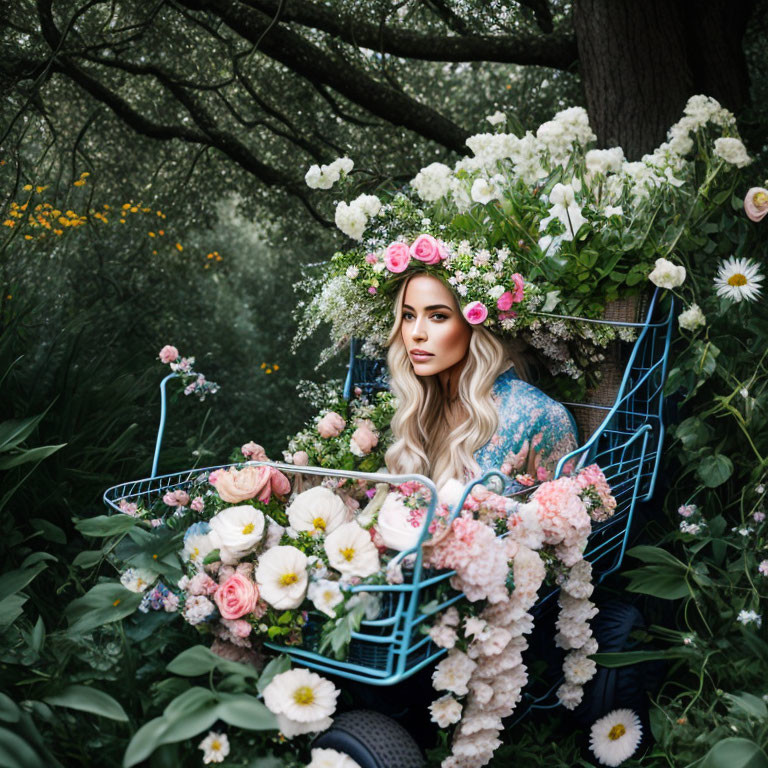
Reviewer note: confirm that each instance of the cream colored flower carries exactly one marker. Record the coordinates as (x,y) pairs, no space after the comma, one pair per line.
(615,737)
(215,747)
(330,758)
(445,711)
(325,595)
(302,700)
(318,510)
(282,577)
(351,551)
(237,531)
(667,275)
(692,319)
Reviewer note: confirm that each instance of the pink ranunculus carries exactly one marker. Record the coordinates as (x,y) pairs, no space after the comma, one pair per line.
(756,203)
(397,257)
(518,294)
(371,258)
(254,452)
(176,498)
(425,248)
(198,505)
(168,354)
(372,290)
(277,483)
(365,438)
(475,312)
(236,597)
(301,458)
(504,302)
(331,425)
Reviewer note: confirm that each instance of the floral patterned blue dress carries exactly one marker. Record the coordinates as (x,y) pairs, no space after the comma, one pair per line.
(534,431)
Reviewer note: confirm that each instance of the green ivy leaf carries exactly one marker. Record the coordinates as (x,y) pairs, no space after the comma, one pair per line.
(714,470)
(86,699)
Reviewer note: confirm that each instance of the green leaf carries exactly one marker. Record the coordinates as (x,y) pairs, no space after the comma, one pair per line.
(144,742)
(15,581)
(276,666)
(692,432)
(9,710)
(15,752)
(88,558)
(714,470)
(648,554)
(16,431)
(199,660)
(27,455)
(105,525)
(657,582)
(752,706)
(86,699)
(627,658)
(102,604)
(247,712)
(11,609)
(49,531)
(735,752)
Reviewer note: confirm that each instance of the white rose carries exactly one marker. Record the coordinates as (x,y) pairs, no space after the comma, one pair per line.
(370,205)
(351,220)
(667,275)
(342,165)
(692,318)
(314,177)
(394,524)
(433,182)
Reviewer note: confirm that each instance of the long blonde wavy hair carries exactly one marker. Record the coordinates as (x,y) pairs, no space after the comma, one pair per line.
(423,442)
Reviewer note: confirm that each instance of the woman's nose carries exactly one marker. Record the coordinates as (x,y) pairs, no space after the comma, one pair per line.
(418,331)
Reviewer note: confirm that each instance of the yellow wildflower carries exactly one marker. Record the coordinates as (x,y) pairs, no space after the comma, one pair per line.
(58,232)
(179,247)
(151,234)
(276,367)
(263,365)
(41,189)
(80,183)
(28,237)
(9,223)
(84,174)
(134,209)
(27,187)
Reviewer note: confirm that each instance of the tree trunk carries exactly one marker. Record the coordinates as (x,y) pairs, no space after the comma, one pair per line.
(641,61)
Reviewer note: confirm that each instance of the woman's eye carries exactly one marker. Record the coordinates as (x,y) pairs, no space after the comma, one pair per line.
(407,316)
(439,316)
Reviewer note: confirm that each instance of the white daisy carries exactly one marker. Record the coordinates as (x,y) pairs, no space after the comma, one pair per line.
(237,531)
(318,510)
(615,737)
(351,551)
(302,700)
(282,577)
(738,279)
(330,758)
(325,595)
(215,747)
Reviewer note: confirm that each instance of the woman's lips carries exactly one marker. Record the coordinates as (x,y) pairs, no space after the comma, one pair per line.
(420,356)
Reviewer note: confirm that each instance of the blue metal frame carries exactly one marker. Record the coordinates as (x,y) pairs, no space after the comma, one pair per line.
(391,647)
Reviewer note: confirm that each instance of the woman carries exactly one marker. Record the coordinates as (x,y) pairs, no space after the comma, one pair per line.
(462,407)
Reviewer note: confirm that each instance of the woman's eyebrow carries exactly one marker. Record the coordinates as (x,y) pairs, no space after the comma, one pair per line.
(430,308)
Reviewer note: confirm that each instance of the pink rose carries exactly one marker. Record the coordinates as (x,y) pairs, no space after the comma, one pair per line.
(371,258)
(168,354)
(507,315)
(214,476)
(277,483)
(128,508)
(254,452)
(301,458)
(756,203)
(331,425)
(235,486)
(198,505)
(475,312)
(365,439)
(426,248)
(372,290)
(397,257)
(518,294)
(236,597)
(176,498)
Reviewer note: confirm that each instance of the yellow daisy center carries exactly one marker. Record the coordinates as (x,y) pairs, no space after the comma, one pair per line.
(215,745)
(195,553)
(288,578)
(347,553)
(617,732)
(737,280)
(304,695)
(319,524)
(328,595)
(248,529)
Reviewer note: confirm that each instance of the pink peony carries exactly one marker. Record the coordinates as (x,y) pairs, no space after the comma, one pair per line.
(254,452)
(426,249)
(301,458)
(371,258)
(504,302)
(756,203)
(475,312)
(331,425)
(176,498)
(198,505)
(236,597)
(397,257)
(168,354)
(365,439)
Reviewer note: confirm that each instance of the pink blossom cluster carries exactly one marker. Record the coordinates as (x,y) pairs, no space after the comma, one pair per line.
(425,248)
(597,491)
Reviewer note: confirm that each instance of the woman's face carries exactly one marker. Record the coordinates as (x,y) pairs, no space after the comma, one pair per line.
(435,333)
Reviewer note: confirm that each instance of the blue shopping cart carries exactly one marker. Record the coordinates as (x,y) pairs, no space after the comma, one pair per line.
(392,646)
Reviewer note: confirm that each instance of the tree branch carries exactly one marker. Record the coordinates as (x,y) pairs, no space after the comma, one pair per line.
(556,51)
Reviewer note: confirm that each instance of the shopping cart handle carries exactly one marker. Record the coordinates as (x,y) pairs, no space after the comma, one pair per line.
(161,428)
